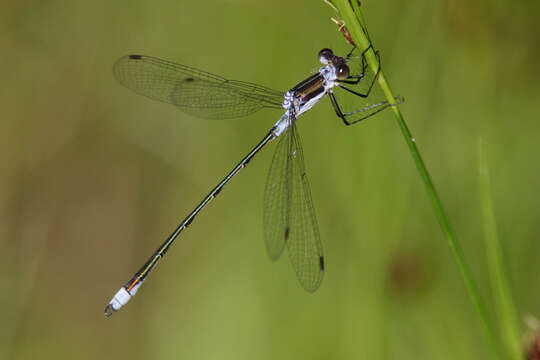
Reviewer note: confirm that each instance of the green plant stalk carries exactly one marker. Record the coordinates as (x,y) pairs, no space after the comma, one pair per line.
(504,305)
(352,16)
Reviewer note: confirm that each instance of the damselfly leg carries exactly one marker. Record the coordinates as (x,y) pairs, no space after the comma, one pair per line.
(354,116)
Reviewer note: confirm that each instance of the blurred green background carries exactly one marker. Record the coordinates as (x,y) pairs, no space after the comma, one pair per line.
(94,178)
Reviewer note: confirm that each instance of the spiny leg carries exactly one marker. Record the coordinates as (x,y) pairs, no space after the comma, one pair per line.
(357,78)
(339,113)
(377,107)
(361,76)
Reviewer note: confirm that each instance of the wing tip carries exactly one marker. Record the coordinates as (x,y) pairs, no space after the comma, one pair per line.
(311,285)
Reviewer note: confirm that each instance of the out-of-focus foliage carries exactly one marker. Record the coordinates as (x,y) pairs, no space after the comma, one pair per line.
(94,177)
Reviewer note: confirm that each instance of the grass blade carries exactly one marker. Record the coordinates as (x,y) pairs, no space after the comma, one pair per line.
(504,305)
(352,16)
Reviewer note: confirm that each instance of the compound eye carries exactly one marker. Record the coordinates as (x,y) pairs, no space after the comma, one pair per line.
(325,55)
(342,72)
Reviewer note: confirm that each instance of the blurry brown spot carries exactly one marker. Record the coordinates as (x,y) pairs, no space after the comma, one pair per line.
(533,351)
(408,273)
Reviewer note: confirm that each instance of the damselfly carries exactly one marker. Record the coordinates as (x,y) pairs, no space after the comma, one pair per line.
(289,215)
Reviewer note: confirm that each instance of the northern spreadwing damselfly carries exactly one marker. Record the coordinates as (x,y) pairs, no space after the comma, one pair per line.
(288,212)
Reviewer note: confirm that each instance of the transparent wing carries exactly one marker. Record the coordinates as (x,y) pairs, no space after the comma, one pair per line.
(303,242)
(289,216)
(276,197)
(196,92)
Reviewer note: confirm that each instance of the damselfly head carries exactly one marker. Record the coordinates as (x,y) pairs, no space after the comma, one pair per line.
(342,70)
(340,67)
(339,64)
(325,56)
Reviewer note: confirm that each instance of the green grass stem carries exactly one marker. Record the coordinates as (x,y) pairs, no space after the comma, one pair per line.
(352,16)
(504,305)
